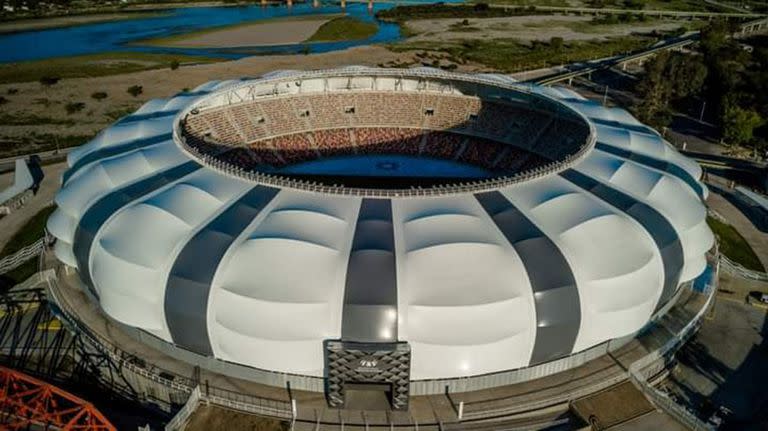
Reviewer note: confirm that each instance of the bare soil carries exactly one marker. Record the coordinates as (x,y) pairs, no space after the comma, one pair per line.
(528,28)
(278,32)
(46,106)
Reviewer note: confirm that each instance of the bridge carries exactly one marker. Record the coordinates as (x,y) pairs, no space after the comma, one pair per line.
(676,43)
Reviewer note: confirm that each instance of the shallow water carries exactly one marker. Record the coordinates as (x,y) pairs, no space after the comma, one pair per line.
(118,36)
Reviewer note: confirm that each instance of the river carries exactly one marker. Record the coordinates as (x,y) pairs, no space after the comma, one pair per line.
(121,35)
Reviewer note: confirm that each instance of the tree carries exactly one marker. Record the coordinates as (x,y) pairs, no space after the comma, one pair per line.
(654,89)
(99,95)
(135,90)
(739,124)
(687,75)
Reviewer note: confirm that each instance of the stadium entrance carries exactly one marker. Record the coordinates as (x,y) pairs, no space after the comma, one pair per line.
(382,367)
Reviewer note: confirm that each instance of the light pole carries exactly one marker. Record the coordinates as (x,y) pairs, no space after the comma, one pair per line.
(701,115)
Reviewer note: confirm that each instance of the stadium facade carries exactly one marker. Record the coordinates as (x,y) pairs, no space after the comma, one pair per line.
(364,225)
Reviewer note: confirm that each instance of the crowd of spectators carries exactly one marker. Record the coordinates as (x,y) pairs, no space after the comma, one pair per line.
(284,130)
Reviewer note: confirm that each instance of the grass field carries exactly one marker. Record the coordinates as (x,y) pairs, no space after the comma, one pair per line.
(94,65)
(734,246)
(28,234)
(343,28)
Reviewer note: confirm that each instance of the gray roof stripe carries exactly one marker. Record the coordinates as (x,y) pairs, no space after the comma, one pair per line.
(113,151)
(555,294)
(662,232)
(370,295)
(98,213)
(189,281)
(651,162)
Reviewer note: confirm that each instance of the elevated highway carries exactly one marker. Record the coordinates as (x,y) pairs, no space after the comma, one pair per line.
(580,69)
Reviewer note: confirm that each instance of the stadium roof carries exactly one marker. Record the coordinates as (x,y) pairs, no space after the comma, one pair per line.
(475,282)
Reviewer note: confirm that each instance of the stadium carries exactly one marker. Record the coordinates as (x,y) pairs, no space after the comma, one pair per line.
(407,228)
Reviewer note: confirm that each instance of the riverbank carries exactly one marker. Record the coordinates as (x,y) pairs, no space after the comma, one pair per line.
(275,31)
(94,65)
(34,24)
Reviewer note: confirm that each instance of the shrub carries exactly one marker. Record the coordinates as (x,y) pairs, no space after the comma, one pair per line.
(73,107)
(3,100)
(135,90)
(465,22)
(12,91)
(174,64)
(99,95)
(48,81)
(556,43)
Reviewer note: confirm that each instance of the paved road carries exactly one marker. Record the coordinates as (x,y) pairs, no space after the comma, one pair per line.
(757,239)
(48,188)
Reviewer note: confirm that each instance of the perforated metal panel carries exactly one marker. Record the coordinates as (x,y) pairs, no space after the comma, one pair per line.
(388,363)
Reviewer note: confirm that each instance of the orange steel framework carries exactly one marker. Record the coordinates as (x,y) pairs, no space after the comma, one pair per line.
(27,402)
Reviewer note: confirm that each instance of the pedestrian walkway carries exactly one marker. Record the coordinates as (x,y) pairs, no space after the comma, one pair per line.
(11,223)
(757,239)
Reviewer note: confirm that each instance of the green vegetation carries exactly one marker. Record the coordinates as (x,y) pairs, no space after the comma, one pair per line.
(33,230)
(731,82)
(116,114)
(343,28)
(74,107)
(48,81)
(734,246)
(668,78)
(527,3)
(99,95)
(23,119)
(90,66)
(135,90)
(510,55)
(681,5)
(70,20)
(12,147)
(401,14)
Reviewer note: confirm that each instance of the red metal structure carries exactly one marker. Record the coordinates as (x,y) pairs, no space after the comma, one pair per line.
(28,403)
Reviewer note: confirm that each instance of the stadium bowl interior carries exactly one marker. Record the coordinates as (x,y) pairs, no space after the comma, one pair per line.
(457,227)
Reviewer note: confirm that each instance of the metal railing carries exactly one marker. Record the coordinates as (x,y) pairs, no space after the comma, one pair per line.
(181,418)
(652,364)
(17,259)
(736,269)
(438,76)
(218,396)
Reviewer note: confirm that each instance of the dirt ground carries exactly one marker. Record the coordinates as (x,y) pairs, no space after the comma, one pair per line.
(46,106)
(276,32)
(210,418)
(527,28)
